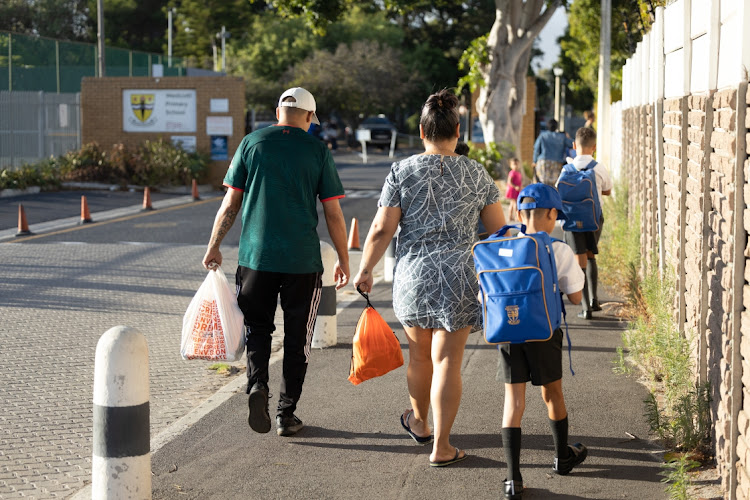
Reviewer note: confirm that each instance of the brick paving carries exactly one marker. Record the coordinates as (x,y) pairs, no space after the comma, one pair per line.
(56,300)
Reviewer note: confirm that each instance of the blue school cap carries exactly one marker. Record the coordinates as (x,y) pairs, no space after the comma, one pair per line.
(545,196)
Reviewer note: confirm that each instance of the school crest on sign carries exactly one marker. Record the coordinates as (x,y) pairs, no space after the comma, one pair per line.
(142,106)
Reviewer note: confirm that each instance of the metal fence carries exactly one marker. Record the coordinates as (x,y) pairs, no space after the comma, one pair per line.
(37,125)
(29,63)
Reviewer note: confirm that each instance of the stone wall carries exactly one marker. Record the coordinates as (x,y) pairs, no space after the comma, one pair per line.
(743,417)
(704,160)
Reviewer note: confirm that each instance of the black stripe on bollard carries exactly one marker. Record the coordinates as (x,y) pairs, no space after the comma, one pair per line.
(327,305)
(121,431)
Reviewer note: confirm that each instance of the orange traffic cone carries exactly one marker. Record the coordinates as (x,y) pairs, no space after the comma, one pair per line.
(85,214)
(354,235)
(23,226)
(147,200)
(195,191)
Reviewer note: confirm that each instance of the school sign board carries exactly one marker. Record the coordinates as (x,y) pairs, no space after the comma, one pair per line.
(151,110)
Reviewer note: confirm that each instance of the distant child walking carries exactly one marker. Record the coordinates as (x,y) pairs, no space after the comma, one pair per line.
(515,180)
(540,362)
(586,244)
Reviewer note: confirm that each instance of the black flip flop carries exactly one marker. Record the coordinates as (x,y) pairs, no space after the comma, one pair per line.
(453,460)
(418,439)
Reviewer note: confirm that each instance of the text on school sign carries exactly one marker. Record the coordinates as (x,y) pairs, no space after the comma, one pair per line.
(146,110)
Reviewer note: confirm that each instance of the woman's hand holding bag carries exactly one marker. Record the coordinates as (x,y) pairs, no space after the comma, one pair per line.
(375,347)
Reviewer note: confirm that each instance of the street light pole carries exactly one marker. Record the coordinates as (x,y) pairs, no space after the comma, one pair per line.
(169,37)
(558,73)
(602,111)
(100,36)
(223,49)
(562,106)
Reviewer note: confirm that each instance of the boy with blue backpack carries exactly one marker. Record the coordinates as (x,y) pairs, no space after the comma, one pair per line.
(581,184)
(513,271)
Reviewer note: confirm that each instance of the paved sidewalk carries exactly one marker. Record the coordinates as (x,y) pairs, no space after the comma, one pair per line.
(354,447)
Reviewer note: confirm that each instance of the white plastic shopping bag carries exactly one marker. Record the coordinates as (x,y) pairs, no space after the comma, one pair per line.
(213,326)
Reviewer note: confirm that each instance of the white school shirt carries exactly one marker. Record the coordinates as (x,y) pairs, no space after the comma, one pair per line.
(570,276)
(603,179)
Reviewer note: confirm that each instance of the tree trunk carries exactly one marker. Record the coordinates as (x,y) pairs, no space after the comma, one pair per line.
(501,100)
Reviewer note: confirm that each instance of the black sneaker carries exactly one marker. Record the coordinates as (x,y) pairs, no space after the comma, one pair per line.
(513,489)
(257,415)
(577,453)
(288,426)
(595,305)
(585,315)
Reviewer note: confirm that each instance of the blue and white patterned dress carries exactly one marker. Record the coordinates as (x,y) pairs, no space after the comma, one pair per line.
(434,283)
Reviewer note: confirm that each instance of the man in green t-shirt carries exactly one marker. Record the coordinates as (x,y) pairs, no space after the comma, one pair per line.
(274,179)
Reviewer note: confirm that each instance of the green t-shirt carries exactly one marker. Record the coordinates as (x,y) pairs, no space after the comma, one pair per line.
(282,170)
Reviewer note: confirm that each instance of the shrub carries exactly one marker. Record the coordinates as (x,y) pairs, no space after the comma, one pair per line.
(491,156)
(154,163)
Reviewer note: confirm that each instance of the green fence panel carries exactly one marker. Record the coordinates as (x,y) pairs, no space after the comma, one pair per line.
(141,64)
(4,66)
(117,62)
(77,60)
(38,63)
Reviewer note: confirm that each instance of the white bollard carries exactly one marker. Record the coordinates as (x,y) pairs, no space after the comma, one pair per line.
(389,264)
(324,334)
(121,465)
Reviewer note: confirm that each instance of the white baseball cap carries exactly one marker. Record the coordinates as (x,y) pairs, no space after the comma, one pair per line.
(303,100)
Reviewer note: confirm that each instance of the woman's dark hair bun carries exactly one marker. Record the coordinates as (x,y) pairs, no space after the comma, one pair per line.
(440,116)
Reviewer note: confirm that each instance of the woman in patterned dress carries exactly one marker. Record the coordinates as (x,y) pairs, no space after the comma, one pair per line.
(437,198)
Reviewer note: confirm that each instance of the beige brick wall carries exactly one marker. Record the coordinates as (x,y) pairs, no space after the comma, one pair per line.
(720,271)
(700,148)
(694,187)
(101,111)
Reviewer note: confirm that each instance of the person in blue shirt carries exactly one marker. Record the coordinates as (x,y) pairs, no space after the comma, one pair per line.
(550,152)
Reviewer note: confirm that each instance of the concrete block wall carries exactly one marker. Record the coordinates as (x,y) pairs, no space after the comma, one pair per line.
(101,112)
(720,270)
(673,130)
(706,161)
(743,419)
(694,203)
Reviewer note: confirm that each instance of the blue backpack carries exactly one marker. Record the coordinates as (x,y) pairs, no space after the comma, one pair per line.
(517,276)
(580,199)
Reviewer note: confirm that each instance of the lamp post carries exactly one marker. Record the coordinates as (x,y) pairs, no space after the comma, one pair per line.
(169,36)
(223,34)
(100,36)
(563,108)
(558,73)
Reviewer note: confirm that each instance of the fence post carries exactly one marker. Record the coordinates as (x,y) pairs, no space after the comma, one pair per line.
(658,82)
(57,63)
(40,124)
(121,464)
(738,256)
(10,68)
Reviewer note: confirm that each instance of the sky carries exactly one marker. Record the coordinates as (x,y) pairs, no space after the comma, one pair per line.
(548,38)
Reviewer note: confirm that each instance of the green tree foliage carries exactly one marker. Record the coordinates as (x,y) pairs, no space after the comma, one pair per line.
(580,44)
(65,19)
(131,24)
(366,77)
(196,23)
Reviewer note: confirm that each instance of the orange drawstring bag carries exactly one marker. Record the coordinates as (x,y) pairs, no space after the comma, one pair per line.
(375,347)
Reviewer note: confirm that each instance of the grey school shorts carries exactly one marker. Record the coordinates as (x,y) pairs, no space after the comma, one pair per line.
(581,243)
(539,362)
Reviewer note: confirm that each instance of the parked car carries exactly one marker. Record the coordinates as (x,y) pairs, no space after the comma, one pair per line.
(380,128)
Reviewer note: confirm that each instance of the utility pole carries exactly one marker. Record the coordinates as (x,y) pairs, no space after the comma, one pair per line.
(100,36)
(558,73)
(603,98)
(169,37)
